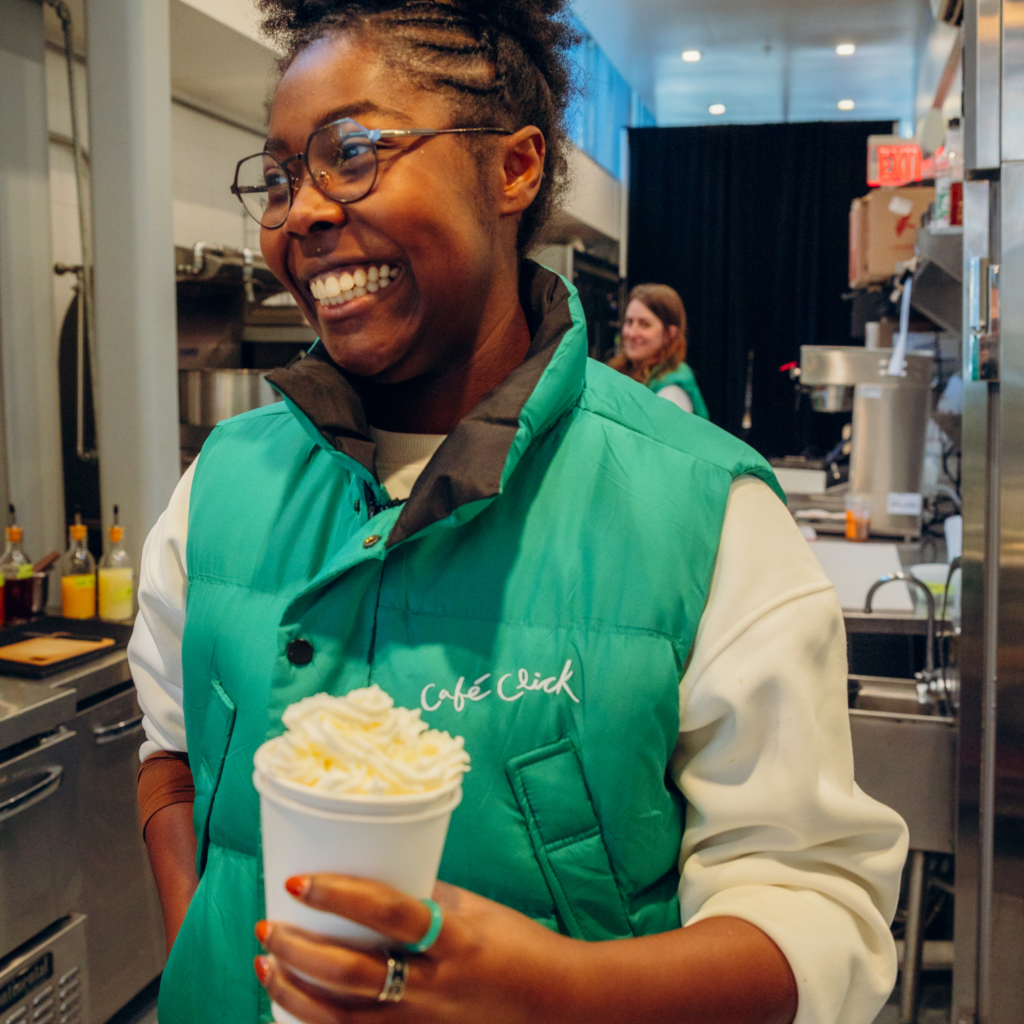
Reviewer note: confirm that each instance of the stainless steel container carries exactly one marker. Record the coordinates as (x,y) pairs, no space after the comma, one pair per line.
(890,424)
(205,397)
(832,398)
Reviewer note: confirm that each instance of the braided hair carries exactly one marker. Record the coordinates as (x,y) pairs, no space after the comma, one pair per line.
(504,63)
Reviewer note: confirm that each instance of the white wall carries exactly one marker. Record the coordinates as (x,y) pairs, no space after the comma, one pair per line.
(237,14)
(596,198)
(205,152)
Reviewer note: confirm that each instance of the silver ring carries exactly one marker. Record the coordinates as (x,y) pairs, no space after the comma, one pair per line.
(394,983)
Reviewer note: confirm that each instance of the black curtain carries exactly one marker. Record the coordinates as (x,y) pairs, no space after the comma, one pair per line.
(750,223)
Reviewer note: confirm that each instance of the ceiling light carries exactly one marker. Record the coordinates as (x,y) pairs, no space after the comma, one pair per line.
(717,109)
(846,49)
(691,56)
(846,104)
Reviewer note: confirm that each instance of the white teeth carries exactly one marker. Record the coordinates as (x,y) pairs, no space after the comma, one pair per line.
(332,290)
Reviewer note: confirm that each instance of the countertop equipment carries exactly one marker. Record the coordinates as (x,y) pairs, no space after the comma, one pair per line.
(70,844)
(890,424)
(46,981)
(235,324)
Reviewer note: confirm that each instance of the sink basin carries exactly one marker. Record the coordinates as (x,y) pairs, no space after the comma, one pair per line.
(904,755)
(882,693)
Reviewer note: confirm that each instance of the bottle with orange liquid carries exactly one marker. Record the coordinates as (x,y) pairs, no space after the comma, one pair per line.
(78,585)
(116,578)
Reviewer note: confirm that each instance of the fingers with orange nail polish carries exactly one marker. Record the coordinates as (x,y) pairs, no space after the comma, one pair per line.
(262,931)
(262,967)
(298,885)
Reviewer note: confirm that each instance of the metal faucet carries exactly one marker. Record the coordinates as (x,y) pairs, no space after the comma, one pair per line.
(929,681)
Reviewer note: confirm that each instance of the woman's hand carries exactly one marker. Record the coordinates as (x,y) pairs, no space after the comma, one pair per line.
(488,963)
(492,964)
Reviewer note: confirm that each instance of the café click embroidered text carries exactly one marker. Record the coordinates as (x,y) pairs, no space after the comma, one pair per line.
(504,688)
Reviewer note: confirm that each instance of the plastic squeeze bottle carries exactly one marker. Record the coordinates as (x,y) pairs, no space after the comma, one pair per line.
(116,578)
(78,585)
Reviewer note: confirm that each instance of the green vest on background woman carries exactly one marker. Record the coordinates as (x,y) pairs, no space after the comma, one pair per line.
(534,595)
(682,376)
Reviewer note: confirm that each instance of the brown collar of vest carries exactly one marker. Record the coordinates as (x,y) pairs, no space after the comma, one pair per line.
(468,467)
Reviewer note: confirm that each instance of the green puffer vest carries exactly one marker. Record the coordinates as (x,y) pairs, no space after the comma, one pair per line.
(682,376)
(538,594)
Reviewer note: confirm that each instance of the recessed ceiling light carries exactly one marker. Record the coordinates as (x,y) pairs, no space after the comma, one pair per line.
(846,104)
(717,109)
(691,56)
(846,49)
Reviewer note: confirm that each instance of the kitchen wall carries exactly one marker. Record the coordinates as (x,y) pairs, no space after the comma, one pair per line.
(205,150)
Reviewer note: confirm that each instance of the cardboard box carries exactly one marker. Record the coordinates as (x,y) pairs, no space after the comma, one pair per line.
(883,230)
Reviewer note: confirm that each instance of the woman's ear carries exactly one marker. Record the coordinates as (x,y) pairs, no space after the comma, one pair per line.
(522,169)
(671,333)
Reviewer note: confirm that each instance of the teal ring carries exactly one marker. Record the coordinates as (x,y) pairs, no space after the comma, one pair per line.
(436,921)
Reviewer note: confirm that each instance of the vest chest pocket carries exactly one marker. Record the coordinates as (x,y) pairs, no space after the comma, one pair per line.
(566,836)
(217,730)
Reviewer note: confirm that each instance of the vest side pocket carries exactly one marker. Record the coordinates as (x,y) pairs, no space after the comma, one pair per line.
(566,835)
(217,730)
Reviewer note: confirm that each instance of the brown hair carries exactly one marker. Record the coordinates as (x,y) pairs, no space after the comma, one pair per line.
(664,302)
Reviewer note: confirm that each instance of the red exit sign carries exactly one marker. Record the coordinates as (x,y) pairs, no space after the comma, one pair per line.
(894,162)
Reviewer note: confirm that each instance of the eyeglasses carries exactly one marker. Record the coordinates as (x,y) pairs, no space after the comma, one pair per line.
(341,158)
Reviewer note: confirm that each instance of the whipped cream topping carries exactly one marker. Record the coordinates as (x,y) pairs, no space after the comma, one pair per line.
(337,287)
(362,744)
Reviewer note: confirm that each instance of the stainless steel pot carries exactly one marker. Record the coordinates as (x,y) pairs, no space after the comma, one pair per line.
(205,397)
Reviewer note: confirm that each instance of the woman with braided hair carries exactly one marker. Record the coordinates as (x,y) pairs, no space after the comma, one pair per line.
(663,824)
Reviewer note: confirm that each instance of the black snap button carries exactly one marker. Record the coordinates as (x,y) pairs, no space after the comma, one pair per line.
(358,505)
(300,652)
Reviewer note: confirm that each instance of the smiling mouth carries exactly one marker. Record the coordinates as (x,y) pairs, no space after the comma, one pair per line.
(336,287)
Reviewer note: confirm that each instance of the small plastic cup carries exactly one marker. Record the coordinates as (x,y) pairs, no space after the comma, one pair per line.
(858,517)
(934,577)
(397,840)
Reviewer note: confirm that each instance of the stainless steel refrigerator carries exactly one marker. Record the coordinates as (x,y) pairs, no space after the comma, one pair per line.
(988,976)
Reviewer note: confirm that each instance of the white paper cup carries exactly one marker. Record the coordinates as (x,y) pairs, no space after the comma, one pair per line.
(396,840)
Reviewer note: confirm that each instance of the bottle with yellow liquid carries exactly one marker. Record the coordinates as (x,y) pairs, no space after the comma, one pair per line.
(78,585)
(116,578)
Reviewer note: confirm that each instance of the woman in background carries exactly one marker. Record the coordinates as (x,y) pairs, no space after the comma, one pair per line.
(654,347)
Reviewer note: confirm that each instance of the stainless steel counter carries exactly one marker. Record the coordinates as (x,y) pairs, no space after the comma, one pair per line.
(29,707)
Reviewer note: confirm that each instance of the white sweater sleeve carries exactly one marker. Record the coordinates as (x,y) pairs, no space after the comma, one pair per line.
(154,652)
(777,832)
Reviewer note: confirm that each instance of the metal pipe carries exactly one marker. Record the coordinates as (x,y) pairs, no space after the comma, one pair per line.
(84,272)
(79,272)
(912,940)
(986,809)
(929,654)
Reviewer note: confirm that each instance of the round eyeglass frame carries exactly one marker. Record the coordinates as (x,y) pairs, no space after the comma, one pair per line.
(371,135)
